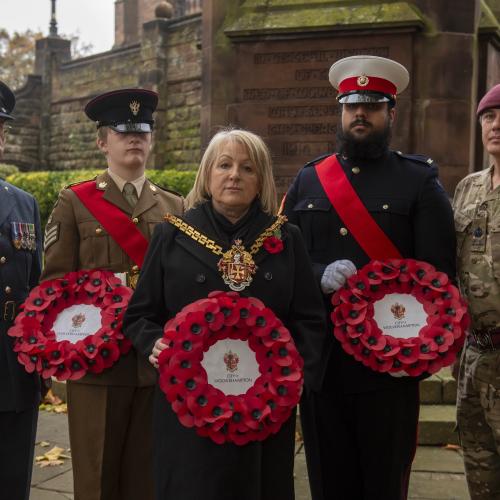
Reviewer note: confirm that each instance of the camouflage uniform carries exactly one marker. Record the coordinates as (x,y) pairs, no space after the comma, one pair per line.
(477,223)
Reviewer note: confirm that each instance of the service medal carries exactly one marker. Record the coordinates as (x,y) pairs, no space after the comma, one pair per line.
(237,267)
(16,235)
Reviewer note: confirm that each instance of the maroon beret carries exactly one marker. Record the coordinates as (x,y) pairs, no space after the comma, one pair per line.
(490,100)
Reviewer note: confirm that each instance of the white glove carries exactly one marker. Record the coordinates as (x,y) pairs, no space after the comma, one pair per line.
(336,274)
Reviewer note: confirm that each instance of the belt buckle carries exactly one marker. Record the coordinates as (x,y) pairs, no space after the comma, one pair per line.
(132,278)
(483,339)
(9,307)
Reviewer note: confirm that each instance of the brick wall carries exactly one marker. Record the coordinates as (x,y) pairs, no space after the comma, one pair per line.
(72,137)
(168,60)
(24,137)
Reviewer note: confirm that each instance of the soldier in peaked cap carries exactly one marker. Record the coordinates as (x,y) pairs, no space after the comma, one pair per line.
(110,414)
(20,267)
(360,429)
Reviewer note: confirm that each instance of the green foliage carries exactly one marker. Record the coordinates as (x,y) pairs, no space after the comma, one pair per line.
(45,186)
(6,170)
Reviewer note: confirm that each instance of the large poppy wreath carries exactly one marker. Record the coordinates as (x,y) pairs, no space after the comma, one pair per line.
(236,418)
(36,343)
(434,345)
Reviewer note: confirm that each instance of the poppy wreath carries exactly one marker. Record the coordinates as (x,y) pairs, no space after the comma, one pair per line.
(35,340)
(238,419)
(436,344)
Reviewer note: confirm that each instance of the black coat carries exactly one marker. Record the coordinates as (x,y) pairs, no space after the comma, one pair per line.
(19,272)
(404,196)
(178,271)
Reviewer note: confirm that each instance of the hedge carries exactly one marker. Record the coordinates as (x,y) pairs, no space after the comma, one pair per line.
(6,170)
(45,186)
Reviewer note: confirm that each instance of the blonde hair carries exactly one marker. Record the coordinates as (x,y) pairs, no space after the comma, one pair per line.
(259,155)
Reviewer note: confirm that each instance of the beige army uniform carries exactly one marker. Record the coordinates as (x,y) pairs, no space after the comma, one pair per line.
(109,413)
(477,222)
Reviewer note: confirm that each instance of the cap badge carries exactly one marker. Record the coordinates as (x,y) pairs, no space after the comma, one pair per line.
(363,80)
(134,107)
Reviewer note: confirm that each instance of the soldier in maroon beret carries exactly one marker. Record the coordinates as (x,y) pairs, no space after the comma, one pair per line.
(477,222)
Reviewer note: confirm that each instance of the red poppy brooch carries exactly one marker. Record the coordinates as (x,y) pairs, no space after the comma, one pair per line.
(232,370)
(401,317)
(273,244)
(72,325)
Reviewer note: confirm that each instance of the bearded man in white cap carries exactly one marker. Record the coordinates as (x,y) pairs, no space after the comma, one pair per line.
(360,430)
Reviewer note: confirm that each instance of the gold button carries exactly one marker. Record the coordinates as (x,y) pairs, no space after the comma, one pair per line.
(310,205)
(135,220)
(135,269)
(385,206)
(343,231)
(98,230)
(8,289)
(3,260)
(355,170)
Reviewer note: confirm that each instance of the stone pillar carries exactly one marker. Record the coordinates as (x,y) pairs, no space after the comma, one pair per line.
(218,61)
(50,53)
(153,76)
(444,86)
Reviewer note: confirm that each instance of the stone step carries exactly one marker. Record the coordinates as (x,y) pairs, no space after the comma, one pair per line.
(436,425)
(440,388)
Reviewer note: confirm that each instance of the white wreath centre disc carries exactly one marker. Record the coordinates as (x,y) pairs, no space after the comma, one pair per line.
(231,366)
(400,315)
(77,322)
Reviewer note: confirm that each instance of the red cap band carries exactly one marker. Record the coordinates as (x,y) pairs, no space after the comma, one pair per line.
(369,83)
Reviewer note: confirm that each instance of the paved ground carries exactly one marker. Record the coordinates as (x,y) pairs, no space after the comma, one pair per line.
(437,472)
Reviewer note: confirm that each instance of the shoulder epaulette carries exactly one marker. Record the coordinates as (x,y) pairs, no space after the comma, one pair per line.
(163,188)
(317,160)
(418,158)
(79,182)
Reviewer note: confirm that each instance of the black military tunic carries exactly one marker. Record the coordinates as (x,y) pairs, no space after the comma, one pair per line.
(19,391)
(366,421)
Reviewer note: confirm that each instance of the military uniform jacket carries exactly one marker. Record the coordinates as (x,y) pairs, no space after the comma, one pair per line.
(403,195)
(477,222)
(19,272)
(178,271)
(75,240)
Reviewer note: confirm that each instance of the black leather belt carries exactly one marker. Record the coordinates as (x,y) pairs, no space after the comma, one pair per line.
(485,339)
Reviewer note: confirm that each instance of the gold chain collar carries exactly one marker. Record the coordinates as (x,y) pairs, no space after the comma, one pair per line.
(236,264)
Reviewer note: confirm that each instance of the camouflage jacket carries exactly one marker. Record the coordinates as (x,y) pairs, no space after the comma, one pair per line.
(477,225)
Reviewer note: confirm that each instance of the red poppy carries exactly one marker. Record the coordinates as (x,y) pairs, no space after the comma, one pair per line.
(273,245)
(262,321)
(373,341)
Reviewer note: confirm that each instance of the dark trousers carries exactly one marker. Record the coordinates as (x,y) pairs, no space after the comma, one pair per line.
(17,442)
(190,467)
(111,441)
(360,446)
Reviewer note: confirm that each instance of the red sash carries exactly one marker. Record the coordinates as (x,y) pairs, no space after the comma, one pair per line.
(370,237)
(113,220)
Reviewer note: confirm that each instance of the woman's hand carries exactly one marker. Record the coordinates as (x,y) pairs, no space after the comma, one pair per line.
(157,348)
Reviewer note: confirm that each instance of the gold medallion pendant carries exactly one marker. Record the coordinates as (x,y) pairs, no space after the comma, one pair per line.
(237,267)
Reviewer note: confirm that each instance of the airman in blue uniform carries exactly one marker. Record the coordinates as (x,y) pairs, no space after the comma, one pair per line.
(20,268)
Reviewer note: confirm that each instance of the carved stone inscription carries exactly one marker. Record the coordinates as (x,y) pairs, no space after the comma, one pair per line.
(283,93)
